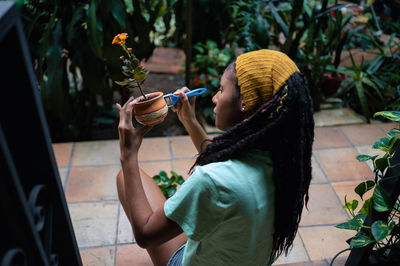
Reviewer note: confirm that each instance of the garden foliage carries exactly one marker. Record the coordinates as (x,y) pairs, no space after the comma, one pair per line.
(318,36)
(168,185)
(74,61)
(384,232)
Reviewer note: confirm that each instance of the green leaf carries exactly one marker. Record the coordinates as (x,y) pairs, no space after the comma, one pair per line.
(157,179)
(366,206)
(370,83)
(333,8)
(353,224)
(140,76)
(364,187)
(380,230)
(135,63)
(180,180)
(386,144)
(364,157)
(212,71)
(127,74)
(391,115)
(363,99)
(361,240)
(381,164)
(138,69)
(174,174)
(278,19)
(375,64)
(118,12)
(394,132)
(171,191)
(71,26)
(382,144)
(123,83)
(351,205)
(163,175)
(381,201)
(94,30)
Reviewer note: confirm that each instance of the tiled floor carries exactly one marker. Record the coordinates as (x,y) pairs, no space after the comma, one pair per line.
(88,171)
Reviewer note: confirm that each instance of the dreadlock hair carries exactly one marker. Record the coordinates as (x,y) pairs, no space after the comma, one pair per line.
(284,126)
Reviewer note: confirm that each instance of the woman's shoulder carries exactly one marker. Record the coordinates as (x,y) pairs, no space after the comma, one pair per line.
(253,156)
(254,162)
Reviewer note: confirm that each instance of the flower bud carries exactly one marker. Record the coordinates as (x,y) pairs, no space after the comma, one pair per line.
(122,57)
(129,49)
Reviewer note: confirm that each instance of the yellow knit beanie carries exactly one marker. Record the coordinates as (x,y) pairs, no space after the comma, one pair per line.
(261,74)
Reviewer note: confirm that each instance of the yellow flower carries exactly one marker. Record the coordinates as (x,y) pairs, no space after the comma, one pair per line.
(115,40)
(123,36)
(120,38)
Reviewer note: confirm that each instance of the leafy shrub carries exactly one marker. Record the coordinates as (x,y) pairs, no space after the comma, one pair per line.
(383,233)
(74,61)
(168,185)
(209,65)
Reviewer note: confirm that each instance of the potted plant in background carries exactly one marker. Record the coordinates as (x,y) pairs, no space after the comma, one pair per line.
(382,230)
(152,108)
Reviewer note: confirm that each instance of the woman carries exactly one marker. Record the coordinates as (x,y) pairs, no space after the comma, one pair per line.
(243,201)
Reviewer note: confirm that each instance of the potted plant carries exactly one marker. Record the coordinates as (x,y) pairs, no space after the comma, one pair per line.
(152,108)
(382,229)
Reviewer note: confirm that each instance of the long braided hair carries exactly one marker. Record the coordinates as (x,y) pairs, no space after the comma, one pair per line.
(285,127)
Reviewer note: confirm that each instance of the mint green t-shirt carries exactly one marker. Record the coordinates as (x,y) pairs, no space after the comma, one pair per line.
(227,211)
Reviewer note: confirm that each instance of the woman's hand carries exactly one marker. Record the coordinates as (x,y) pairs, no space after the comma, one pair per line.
(130,138)
(185,108)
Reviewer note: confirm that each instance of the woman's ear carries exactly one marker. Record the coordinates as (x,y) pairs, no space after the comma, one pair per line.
(242,105)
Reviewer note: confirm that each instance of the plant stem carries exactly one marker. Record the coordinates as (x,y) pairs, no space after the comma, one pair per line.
(140,88)
(344,250)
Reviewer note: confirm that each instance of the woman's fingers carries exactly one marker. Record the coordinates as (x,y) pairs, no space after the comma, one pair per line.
(184,89)
(128,101)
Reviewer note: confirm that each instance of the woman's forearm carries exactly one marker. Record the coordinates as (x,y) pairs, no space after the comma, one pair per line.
(139,210)
(197,134)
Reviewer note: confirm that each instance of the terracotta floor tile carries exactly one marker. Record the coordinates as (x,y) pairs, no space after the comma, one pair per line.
(328,137)
(182,146)
(62,152)
(125,234)
(154,149)
(386,127)
(98,256)
(368,150)
(323,207)
(298,253)
(92,183)
(347,189)
(96,153)
(341,164)
(95,224)
(128,255)
(363,134)
(325,241)
(62,171)
(182,167)
(153,168)
(318,176)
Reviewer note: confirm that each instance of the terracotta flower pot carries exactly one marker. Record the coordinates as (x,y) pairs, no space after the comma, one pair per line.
(152,111)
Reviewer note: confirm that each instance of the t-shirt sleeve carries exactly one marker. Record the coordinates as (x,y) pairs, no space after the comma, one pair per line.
(195,205)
